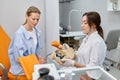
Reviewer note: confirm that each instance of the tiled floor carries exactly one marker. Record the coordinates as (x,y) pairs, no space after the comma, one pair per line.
(116,56)
(115,72)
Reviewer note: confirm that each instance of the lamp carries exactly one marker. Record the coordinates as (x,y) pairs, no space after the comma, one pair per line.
(71,11)
(69,26)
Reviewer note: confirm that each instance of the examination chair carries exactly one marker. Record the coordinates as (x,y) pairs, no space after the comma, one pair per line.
(4,58)
(112,54)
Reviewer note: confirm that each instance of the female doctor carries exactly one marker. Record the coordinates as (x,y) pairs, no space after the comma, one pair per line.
(92,49)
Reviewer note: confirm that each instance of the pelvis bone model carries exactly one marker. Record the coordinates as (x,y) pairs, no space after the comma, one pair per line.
(62,52)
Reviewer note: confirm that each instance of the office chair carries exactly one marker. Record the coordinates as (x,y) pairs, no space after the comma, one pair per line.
(4,58)
(113,54)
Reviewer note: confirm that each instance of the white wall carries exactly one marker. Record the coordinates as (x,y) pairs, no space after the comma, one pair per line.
(110,20)
(52,23)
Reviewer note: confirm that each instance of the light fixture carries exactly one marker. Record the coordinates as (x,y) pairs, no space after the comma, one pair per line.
(71,11)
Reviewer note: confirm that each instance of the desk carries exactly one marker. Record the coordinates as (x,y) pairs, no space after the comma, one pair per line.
(72,38)
(73,34)
(77,72)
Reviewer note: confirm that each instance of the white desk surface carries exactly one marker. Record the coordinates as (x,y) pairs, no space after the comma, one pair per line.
(73,34)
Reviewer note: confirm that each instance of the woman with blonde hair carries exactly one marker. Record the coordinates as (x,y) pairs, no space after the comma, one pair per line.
(26,41)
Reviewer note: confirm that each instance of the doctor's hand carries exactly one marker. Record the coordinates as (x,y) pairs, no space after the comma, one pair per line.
(68,62)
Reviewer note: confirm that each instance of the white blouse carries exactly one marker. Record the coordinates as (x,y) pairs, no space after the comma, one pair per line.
(33,35)
(92,52)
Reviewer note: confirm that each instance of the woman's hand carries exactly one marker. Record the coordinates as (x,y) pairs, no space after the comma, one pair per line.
(68,62)
(42,60)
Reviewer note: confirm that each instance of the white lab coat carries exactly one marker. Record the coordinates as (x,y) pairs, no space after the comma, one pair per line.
(92,52)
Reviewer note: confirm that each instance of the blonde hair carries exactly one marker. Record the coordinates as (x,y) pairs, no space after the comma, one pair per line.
(32,9)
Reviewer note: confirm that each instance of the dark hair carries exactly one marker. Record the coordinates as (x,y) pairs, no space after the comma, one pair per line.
(32,9)
(94,18)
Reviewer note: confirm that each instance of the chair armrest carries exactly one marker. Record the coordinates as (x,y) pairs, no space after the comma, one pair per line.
(4,70)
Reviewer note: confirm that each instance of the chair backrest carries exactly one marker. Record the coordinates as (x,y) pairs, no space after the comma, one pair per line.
(4,44)
(27,63)
(112,39)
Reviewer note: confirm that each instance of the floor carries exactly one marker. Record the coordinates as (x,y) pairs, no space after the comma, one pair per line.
(114,70)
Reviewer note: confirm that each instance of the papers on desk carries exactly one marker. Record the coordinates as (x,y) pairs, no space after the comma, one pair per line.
(73,34)
(51,67)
